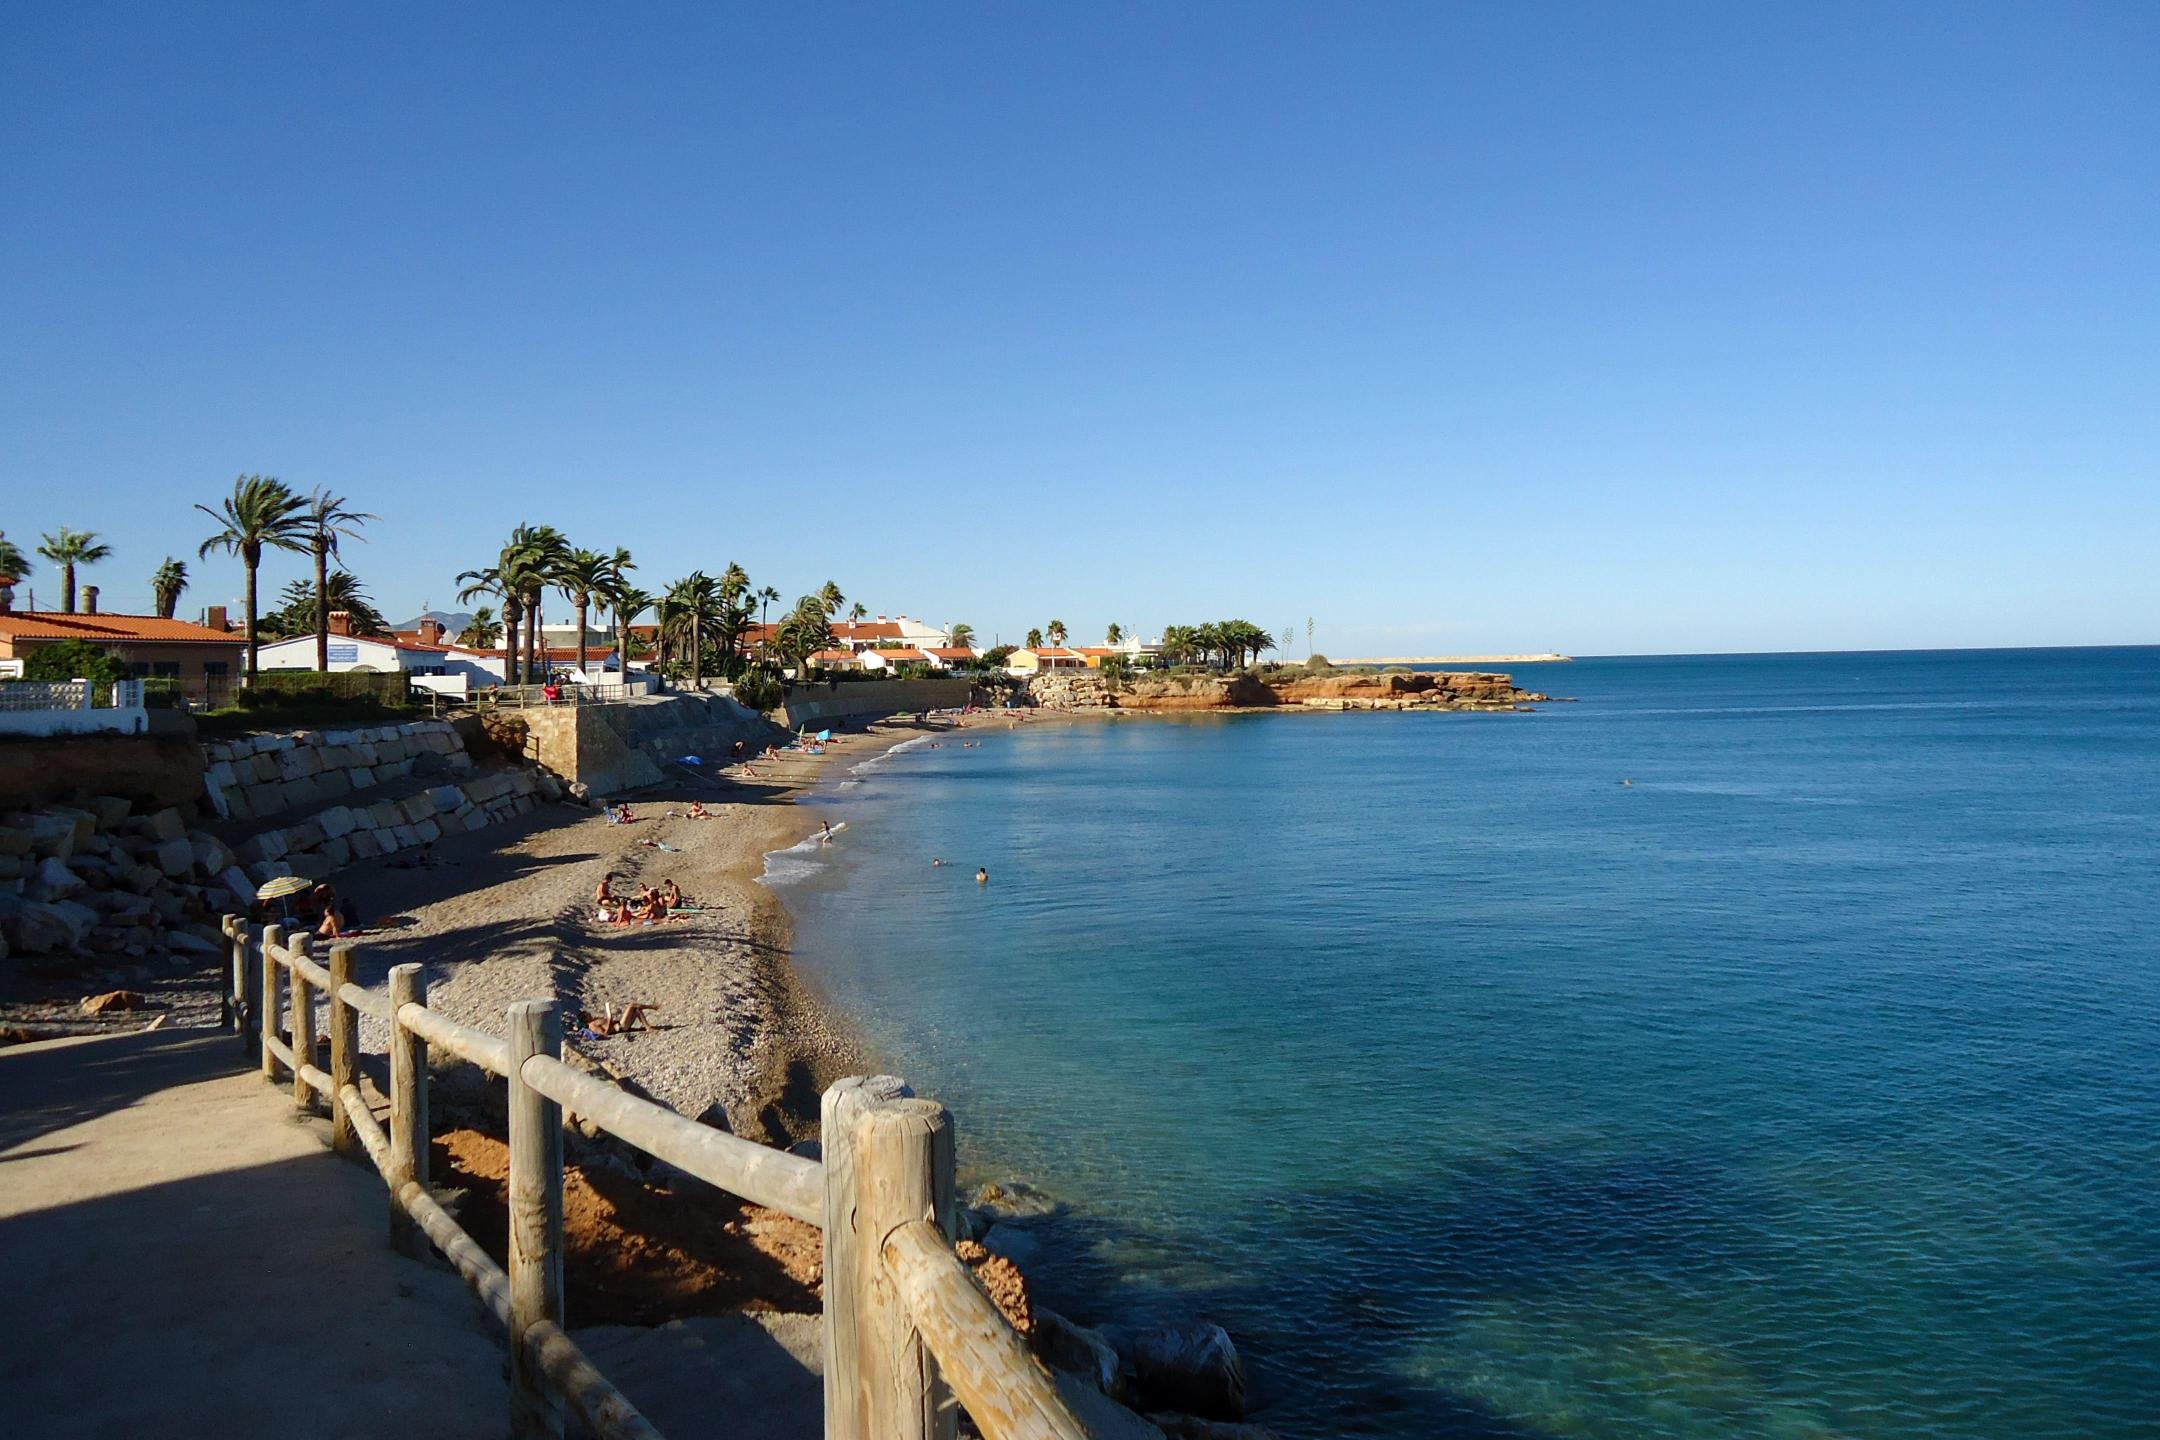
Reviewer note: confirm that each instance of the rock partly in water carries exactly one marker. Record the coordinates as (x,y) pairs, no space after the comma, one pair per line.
(1078,1351)
(1191,1369)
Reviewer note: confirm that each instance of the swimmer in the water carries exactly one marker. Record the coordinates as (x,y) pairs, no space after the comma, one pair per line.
(982,877)
(934,863)
(827,837)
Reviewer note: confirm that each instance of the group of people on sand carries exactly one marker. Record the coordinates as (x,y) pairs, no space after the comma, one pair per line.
(323,913)
(648,906)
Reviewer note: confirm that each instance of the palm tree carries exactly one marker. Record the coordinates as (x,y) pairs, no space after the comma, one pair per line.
(541,557)
(1114,635)
(765,597)
(582,575)
(962,636)
(13,566)
(303,610)
(829,596)
(490,581)
(1034,640)
(482,632)
(328,518)
(628,602)
(166,583)
(691,606)
(69,549)
(523,570)
(261,511)
(806,630)
(857,610)
(1056,632)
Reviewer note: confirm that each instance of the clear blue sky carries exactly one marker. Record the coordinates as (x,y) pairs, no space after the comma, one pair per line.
(1600,328)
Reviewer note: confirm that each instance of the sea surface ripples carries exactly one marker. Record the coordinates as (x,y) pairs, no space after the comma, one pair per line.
(1809,1086)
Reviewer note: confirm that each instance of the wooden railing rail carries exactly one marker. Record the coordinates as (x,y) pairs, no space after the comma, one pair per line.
(907,1330)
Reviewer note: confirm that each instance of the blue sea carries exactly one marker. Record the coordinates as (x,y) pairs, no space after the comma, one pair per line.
(1807,1086)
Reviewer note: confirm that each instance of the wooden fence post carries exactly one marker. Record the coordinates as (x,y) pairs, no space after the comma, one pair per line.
(247,983)
(344,1050)
(408,1105)
(536,1218)
(302,1024)
(903,1172)
(229,996)
(273,939)
(845,1362)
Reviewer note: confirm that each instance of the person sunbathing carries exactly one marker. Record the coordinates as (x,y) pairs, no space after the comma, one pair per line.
(697,811)
(670,895)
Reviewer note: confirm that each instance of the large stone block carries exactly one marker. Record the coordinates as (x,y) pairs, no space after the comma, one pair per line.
(333,785)
(234,879)
(298,763)
(110,810)
(211,855)
(363,845)
(176,857)
(446,797)
(53,880)
(417,808)
(166,824)
(385,814)
(426,831)
(336,822)
(361,776)
(337,852)
(300,794)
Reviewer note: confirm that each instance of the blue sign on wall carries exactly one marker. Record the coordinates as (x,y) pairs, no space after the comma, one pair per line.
(344,654)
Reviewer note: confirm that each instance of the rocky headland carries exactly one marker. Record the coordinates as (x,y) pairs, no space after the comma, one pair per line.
(1289,688)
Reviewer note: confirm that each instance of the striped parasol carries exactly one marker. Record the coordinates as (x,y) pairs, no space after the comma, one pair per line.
(283,886)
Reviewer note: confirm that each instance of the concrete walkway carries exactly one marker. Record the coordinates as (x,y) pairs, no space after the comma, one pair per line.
(183,1256)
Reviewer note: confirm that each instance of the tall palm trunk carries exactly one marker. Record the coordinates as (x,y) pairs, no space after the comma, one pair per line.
(513,615)
(583,602)
(697,651)
(622,644)
(322,606)
(253,560)
(67,587)
(532,636)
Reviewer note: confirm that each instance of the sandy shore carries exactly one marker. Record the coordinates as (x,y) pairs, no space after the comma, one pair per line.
(507,914)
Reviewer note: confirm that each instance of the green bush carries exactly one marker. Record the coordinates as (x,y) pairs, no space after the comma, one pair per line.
(74,660)
(760,691)
(286,688)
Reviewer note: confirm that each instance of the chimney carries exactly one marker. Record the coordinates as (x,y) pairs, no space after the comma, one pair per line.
(214,618)
(341,622)
(89,599)
(7,594)
(431,631)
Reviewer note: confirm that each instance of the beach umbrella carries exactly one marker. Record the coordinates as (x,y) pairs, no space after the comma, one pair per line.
(282,889)
(693,760)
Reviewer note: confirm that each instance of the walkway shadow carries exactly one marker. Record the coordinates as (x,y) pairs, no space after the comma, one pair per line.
(160,1310)
(54,1085)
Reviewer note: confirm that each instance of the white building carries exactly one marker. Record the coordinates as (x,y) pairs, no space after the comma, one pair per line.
(447,669)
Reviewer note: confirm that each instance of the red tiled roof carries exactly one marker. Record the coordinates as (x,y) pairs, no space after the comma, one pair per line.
(105,628)
(829,656)
(867,630)
(890,655)
(952,652)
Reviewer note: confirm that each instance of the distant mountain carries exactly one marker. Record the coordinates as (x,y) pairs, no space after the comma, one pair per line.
(453,621)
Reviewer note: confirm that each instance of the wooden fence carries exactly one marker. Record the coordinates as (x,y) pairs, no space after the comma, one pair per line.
(907,1331)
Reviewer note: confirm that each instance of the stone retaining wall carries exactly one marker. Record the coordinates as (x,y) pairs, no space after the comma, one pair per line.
(816,704)
(319,844)
(260,776)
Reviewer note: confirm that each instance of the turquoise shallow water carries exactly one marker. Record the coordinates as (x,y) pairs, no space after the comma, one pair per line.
(1810,1086)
